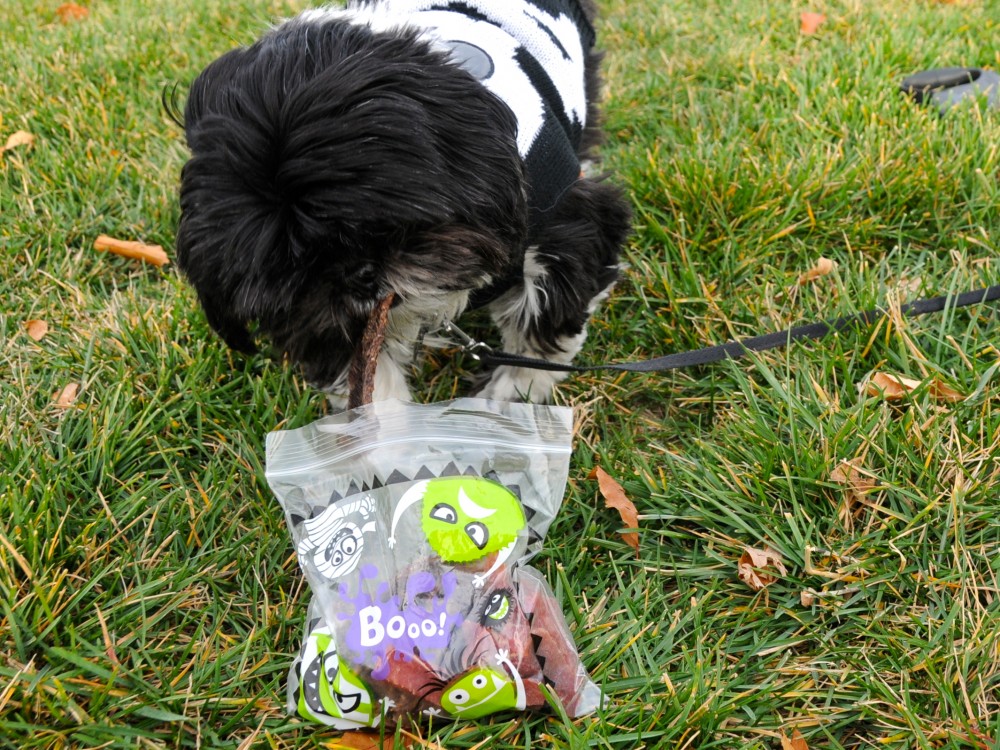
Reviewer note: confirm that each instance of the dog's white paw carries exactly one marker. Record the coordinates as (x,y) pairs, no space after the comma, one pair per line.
(521,384)
(337,401)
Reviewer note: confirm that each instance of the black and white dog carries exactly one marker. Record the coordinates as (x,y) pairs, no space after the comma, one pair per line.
(426,148)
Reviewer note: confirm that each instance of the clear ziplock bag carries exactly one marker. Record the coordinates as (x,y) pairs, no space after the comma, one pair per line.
(412,524)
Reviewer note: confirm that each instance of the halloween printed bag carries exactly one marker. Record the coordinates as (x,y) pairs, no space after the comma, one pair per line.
(412,524)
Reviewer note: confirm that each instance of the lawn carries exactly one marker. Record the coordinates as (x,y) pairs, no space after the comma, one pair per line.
(149,593)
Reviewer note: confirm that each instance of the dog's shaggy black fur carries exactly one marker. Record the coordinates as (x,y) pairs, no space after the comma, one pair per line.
(332,164)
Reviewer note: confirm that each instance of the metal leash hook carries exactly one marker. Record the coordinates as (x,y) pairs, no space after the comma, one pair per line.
(469,344)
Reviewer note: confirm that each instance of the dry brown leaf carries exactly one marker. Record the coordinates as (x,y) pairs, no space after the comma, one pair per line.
(890,387)
(20,138)
(849,474)
(36,329)
(807,597)
(757,566)
(69,12)
(809,23)
(67,396)
(137,250)
(614,497)
(941,392)
(895,387)
(857,485)
(822,268)
(363,741)
(795,742)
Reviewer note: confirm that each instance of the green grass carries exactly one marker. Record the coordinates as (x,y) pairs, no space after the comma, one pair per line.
(149,595)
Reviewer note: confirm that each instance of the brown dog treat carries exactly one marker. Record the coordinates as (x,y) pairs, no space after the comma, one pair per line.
(136,250)
(554,647)
(362,373)
(411,684)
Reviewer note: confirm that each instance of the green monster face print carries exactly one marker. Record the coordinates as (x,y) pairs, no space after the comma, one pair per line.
(478,693)
(494,612)
(484,691)
(329,692)
(464,518)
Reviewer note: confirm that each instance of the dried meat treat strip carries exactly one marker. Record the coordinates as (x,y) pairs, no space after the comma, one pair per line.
(499,622)
(411,684)
(553,645)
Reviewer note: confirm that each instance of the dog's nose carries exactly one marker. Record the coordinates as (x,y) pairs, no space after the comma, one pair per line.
(363,278)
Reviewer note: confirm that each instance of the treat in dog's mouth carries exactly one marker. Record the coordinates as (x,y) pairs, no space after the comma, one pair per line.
(362,374)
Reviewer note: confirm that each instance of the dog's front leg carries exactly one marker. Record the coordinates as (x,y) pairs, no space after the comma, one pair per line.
(566,275)
(538,319)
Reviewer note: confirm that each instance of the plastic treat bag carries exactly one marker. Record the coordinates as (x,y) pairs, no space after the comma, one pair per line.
(412,524)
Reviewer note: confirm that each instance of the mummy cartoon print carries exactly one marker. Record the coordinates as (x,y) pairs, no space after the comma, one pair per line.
(465,519)
(334,540)
(328,691)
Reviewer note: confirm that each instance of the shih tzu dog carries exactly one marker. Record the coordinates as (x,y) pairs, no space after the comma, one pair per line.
(425,149)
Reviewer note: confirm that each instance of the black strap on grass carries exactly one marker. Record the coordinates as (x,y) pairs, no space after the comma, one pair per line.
(737,349)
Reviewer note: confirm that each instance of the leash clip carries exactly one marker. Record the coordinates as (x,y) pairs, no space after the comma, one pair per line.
(469,344)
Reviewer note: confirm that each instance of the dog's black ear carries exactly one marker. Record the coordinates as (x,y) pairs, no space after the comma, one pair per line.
(168,99)
(234,332)
(454,257)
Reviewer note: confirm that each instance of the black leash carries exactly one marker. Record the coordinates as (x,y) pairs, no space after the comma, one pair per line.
(733,349)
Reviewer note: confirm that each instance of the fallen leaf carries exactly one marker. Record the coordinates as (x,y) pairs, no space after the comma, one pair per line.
(755,567)
(849,474)
(941,392)
(136,250)
(809,23)
(614,497)
(20,138)
(69,12)
(795,742)
(909,287)
(857,484)
(363,741)
(889,387)
(896,387)
(822,268)
(67,396)
(36,329)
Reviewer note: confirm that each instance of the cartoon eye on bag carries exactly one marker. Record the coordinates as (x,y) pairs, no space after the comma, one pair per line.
(465,519)
(329,692)
(485,691)
(496,609)
(444,513)
(478,533)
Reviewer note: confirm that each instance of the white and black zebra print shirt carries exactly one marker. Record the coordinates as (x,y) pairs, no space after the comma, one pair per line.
(529,53)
